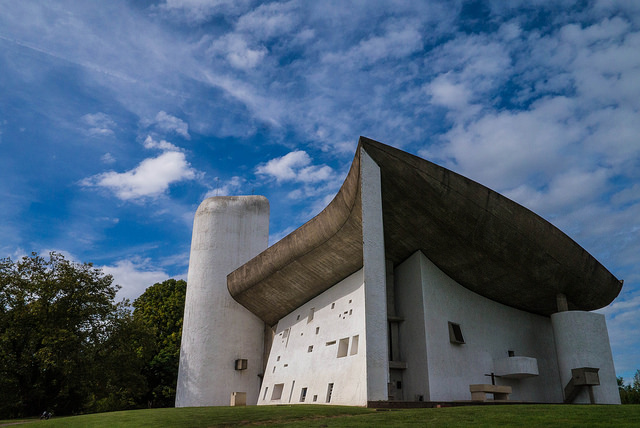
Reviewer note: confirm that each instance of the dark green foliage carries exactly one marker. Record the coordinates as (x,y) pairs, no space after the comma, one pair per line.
(67,347)
(161,309)
(54,315)
(630,394)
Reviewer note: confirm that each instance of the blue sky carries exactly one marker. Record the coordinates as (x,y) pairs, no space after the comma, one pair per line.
(118,118)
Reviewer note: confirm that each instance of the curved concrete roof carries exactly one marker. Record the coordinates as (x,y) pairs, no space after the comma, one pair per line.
(484,241)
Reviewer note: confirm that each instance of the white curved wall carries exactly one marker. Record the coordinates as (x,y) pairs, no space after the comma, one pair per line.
(227,232)
(582,341)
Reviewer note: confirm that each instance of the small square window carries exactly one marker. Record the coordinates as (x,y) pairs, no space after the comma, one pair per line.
(455,333)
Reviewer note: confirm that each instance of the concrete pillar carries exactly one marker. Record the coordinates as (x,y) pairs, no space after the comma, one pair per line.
(375,292)
(582,341)
(217,331)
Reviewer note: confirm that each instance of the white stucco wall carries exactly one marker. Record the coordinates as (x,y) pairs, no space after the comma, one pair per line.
(375,280)
(426,295)
(227,232)
(338,314)
(582,341)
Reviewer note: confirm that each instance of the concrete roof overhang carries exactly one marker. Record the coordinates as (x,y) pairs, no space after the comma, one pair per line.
(484,241)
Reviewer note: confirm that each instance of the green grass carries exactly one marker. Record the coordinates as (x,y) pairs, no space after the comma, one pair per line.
(521,416)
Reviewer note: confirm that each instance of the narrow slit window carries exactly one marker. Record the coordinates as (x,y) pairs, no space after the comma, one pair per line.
(311,312)
(303,395)
(329,392)
(455,333)
(317,330)
(266,388)
(354,344)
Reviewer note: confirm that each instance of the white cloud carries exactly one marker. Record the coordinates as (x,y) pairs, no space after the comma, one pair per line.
(100,124)
(134,278)
(150,178)
(168,123)
(294,166)
(150,143)
(397,42)
(198,11)
(236,50)
(107,158)
(269,20)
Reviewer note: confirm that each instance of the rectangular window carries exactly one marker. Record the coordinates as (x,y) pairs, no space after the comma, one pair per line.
(317,330)
(303,395)
(310,348)
(277,391)
(333,342)
(266,388)
(311,312)
(329,392)
(343,347)
(354,344)
(241,364)
(315,398)
(455,333)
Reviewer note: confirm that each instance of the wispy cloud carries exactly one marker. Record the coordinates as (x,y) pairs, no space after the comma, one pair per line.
(99,124)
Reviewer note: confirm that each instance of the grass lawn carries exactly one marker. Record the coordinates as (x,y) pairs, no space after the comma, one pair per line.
(521,416)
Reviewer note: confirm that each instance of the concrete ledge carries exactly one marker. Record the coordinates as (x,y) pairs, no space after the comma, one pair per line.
(479,392)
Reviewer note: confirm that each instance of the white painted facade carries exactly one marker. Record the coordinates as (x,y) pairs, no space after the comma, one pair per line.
(217,330)
(439,370)
(525,351)
(320,344)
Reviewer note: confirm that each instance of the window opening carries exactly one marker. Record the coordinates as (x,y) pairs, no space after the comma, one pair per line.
(277,391)
(310,318)
(354,344)
(329,392)
(455,333)
(291,392)
(310,348)
(333,305)
(343,347)
(303,395)
(333,342)
(511,353)
(315,398)
(317,330)
(266,388)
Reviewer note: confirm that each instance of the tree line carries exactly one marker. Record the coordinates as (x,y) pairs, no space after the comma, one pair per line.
(630,394)
(66,345)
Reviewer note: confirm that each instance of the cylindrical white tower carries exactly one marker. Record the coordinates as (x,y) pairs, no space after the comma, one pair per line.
(217,331)
(582,341)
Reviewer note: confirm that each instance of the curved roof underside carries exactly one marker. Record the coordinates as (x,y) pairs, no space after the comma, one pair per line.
(484,241)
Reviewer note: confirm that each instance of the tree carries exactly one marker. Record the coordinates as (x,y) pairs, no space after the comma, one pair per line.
(630,394)
(161,308)
(54,316)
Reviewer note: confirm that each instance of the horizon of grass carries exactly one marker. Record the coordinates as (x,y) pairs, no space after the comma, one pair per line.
(521,415)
